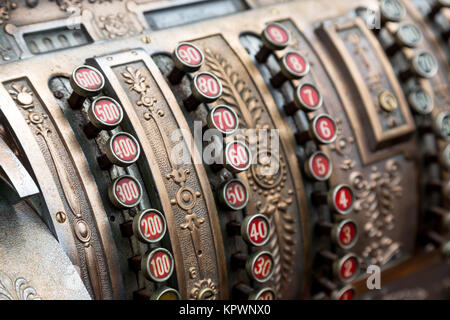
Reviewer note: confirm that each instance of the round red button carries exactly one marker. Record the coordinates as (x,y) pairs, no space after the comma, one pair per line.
(125,192)
(157,265)
(341,199)
(319,166)
(345,234)
(105,113)
(346,268)
(308,97)
(295,65)
(237,156)
(345,293)
(256,229)
(260,266)
(125,148)
(88,79)
(276,35)
(263,294)
(234,194)
(149,226)
(189,55)
(324,128)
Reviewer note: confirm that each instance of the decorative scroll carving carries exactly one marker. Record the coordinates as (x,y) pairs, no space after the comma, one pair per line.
(343,146)
(115,25)
(186,197)
(18,289)
(273,200)
(375,200)
(204,289)
(39,121)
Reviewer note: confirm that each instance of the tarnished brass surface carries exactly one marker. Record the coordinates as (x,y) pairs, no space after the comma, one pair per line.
(389,155)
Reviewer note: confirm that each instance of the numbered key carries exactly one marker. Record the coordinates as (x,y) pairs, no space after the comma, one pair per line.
(206,88)
(306,97)
(323,130)
(125,192)
(263,294)
(187,58)
(86,81)
(318,166)
(344,234)
(149,226)
(104,113)
(122,149)
(391,11)
(420,102)
(255,230)
(233,194)
(274,37)
(223,118)
(242,291)
(422,65)
(445,158)
(345,293)
(237,157)
(441,125)
(341,198)
(406,36)
(157,265)
(346,268)
(260,266)
(293,65)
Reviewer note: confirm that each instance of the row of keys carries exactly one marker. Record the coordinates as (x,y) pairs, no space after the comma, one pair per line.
(423,65)
(232,194)
(207,88)
(125,192)
(104,114)
(406,35)
(318,166)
